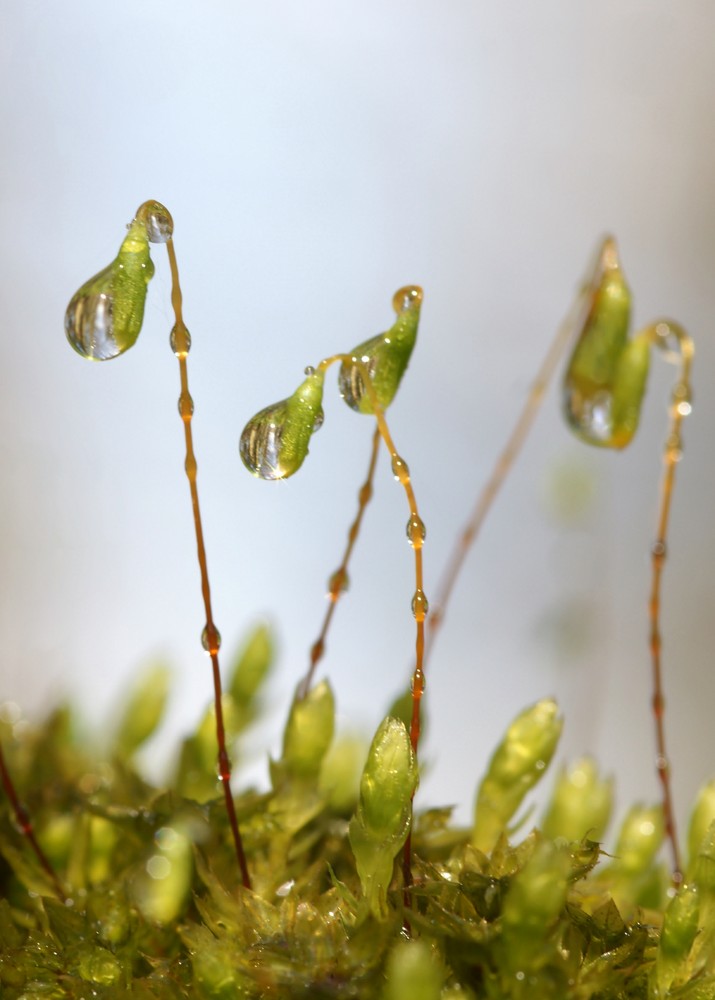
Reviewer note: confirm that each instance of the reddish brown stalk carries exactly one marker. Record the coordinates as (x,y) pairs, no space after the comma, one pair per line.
(338,581)
(503,465)
(680,408)
(211,638)
(24,822)
(416,535)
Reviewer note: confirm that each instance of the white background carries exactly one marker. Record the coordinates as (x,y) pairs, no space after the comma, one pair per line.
(316,156)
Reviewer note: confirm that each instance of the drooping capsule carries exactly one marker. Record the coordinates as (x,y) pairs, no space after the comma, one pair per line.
(606,376)
(385,356)
(105,315)
(274,443)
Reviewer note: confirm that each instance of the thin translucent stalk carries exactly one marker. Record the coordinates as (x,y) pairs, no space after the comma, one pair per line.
(25,823)
(679,409)
(506,459)
(419,602)
(339,578)
(211,635)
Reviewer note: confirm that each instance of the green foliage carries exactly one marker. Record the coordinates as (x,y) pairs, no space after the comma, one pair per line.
(135,891)
(156,910)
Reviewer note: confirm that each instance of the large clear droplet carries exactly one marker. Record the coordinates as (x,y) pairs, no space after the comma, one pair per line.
(274,443)
(89,319)
(157,221)
(350,381)
(260,444)
(105,315)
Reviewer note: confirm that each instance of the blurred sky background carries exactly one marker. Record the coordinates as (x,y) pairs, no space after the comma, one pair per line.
(315,157)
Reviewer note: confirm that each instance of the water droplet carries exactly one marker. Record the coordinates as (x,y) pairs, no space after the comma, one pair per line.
(186,406)
(420,606)
(659,550)
(400,470)
(673,448)
(667,339)
(105,315)
(180,341)
(274,443)
(309,370)
(407,297)
(158,866)
(260,443)
(157,221)
(416,531)
(682,399)
(350,381)
(338,584)
(211,639)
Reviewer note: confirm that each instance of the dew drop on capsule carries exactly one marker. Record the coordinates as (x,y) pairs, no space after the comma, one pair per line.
(260,443)
(416,531)
(274,443)
(211,640)
(104,317)
(407,297)
(157,221)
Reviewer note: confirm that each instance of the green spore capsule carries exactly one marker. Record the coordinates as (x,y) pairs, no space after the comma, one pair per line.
(275,442)
(105,316)
(385,356)
(606,376)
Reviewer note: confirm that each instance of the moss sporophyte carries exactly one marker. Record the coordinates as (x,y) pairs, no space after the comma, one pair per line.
(330,884)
